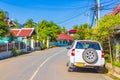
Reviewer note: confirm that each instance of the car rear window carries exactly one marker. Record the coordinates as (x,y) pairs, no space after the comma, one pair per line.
(85,45)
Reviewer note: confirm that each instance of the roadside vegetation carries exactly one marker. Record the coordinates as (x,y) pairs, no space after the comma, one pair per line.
(3,25)
(105,32)
(16,52)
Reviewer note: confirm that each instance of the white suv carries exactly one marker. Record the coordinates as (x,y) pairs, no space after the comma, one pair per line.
(86,54)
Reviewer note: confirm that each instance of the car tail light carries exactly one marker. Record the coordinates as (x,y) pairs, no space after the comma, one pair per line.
(102,54)
(73,52)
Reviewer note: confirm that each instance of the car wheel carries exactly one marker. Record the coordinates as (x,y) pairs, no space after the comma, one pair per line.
(90,56)
(70,69)
(101,70)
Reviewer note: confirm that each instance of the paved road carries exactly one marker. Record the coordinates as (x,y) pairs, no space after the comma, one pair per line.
(44,65)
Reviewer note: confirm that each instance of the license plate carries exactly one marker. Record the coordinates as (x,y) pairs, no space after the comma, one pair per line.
(80,64)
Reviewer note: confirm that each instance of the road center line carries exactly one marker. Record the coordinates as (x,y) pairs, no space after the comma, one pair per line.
(41,65)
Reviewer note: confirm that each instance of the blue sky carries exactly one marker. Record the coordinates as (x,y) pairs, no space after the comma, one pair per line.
(63,12)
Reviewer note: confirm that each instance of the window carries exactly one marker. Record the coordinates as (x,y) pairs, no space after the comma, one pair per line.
(85,45)
(79,46)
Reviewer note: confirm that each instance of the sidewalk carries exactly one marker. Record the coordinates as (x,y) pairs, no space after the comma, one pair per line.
(5,54)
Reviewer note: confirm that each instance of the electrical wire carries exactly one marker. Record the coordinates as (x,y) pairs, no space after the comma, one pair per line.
(61,22)
(106,2)
(110,5)
(114,2)
(93,19)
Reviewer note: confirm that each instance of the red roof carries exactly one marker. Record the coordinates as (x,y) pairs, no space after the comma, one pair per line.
(64,37)
(115,11)
(22,32)
(72,31)
(25,32)
(14,31)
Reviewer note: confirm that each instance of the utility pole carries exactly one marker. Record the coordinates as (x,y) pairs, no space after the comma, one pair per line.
(97,9)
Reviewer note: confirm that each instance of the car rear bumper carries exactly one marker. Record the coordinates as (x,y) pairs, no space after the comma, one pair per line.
(83,65)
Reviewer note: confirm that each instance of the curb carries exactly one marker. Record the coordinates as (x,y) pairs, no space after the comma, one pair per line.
(4,55)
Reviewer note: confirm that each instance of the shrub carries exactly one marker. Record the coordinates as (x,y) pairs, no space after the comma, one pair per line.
(117,64)
(43,47)
(51,46)
(107,57)
(16,52)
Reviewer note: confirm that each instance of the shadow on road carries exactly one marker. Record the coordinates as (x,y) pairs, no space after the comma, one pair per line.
(89,70)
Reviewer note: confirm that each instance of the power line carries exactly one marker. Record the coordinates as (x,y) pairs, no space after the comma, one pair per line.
(106,2)
(110,7)
(114,2)
(73,16)
(93,19)
(107,9)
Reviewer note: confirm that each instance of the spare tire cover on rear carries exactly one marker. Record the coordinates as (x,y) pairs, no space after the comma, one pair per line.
(90,55)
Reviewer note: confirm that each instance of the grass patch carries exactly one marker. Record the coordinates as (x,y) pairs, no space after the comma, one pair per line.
(117,64)
(113,77)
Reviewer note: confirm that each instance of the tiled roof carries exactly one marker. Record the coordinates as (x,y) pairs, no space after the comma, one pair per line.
(115,11)
(24,32)
(72,31)
(64,37)
(15,31)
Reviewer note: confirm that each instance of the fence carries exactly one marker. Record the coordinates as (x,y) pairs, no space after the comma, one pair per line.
(52,43)
(3,47)
(22,46)
(10,46)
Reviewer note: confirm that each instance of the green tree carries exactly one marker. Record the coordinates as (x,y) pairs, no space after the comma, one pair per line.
(76,36)
(3,15)
(46,29)
(30,24)
(106,27)
(64,30)
(17,24)
(83,32)
(54,30)
(104,32)
(3,25)
(3,28)
(76,27)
